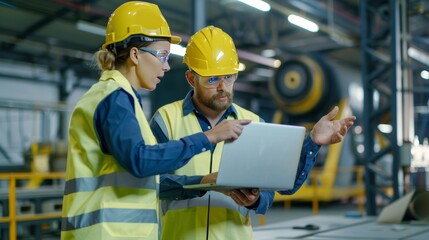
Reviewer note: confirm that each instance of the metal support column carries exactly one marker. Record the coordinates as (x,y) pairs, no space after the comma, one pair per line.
(199,17)
(382,78)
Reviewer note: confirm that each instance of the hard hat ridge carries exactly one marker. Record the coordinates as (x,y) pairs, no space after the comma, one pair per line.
(211,52)
(137,21)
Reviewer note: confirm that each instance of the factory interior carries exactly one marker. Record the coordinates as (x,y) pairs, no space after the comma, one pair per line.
(298,59)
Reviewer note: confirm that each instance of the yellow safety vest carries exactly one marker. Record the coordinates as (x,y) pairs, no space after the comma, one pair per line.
(187,219)
(101,199)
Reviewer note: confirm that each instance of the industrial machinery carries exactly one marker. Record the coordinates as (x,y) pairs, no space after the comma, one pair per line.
(305,89)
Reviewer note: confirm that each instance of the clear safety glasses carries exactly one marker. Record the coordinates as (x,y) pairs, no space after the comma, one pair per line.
(214,81)
(162,55)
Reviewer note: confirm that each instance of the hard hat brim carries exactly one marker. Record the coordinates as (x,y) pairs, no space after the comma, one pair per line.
(175,39)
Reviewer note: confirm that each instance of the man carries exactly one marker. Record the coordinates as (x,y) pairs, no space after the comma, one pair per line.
(189,214)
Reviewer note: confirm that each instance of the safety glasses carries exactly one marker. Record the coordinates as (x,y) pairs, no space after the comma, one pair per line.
(162,55)
(214,81)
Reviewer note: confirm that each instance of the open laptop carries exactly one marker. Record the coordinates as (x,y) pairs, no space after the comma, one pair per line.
(265,156)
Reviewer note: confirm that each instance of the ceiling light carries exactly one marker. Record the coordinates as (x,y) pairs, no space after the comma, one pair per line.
(385,128)
(258,4)
(425,74)
(303,23)
(419,55)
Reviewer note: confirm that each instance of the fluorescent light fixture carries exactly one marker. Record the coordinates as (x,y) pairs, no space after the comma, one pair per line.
(91,28)
(303,23)
(360,148)
(425,74)
(258,4)
(177,49)
(385,128)
(418,55)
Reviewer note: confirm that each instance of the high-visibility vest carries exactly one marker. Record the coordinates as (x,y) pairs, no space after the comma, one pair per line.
(187,219)
(101,199)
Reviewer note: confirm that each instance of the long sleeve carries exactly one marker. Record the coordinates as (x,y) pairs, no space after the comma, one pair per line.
(171,186)
(265,201)
(306,162)
(119,134)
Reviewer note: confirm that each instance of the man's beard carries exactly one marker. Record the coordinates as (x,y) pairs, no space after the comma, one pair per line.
(213,104)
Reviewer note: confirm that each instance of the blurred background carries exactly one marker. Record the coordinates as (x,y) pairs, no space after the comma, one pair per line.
(298,59)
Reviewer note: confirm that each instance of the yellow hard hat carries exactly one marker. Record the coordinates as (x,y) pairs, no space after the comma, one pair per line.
(211,52)
(137,18)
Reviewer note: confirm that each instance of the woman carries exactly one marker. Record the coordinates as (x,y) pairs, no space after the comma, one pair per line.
(111,189)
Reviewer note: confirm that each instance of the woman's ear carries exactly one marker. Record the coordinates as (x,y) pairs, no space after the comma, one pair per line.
(191,78)
(134,55)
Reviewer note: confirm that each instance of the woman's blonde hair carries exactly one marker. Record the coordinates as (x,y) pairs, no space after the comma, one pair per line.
(108,60)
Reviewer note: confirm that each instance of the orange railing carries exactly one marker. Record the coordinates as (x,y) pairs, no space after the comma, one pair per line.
(317,191)
(359,193)
(13,219)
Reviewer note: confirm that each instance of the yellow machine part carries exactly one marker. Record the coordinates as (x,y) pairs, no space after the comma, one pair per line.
(39,163)
(300,88)
(322,187)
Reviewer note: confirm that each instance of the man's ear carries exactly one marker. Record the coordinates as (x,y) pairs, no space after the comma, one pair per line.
(191,78)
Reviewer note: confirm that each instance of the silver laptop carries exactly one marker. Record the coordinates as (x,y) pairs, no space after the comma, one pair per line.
(265,156)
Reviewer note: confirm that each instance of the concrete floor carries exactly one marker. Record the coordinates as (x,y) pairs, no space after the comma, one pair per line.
(278,213)
(281,219)
(335,220)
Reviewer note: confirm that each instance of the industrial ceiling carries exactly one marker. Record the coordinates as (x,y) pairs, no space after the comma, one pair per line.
(45,32)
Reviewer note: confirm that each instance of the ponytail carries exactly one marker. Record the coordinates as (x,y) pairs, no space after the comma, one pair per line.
(107,60)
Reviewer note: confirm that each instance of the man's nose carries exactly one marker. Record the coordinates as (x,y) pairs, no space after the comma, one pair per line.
(221,84)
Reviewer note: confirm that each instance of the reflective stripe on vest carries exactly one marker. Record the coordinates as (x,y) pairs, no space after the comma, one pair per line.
(118,179)
(187,219)
(102,200)
(109,215)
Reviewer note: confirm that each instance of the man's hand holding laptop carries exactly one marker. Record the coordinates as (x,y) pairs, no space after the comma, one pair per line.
(245,196)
